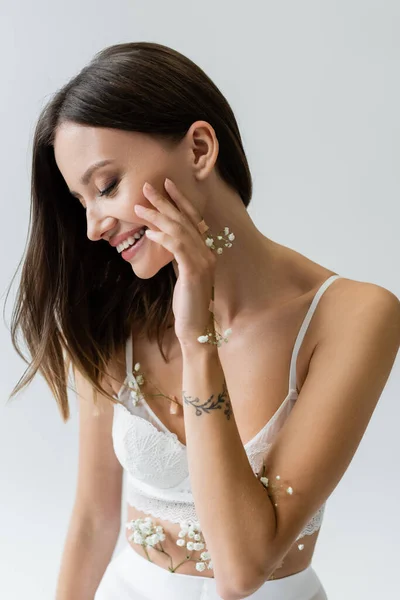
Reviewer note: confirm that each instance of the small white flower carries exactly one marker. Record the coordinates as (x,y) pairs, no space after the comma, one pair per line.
(198,546)
(197,525)
(137,367)
(134,398)
(300,546)
(205,555)
(180,542)
(231,237)
(191,533)
(203,339)
(226,230)
(227,332)
(200,566)
(145,528)
(209,242)
(264,481)
(151,540)
(190,546)
(181,534)
(140,379)
(159,529)
(137,538)
(220,250)
(290,490)
(197,537)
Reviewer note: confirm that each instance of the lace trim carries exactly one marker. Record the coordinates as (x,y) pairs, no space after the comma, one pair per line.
(170,511)
(180,511)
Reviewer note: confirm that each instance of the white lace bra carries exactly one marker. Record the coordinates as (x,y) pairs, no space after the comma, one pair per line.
(158,478)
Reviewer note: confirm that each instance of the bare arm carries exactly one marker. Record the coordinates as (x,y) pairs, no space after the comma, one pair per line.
(96,515)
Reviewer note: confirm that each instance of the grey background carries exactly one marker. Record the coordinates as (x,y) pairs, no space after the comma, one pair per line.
(315,89)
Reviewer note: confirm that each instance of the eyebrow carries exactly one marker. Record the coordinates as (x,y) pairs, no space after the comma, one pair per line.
(89,172)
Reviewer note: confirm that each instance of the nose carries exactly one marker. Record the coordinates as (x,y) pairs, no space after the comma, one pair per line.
(97,226)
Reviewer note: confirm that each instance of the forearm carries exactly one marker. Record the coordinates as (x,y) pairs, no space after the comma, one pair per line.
(87,551)
(234,509)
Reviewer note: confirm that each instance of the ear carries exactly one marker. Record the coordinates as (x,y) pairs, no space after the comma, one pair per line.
(203,148)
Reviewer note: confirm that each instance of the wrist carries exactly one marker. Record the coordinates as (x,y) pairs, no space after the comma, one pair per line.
(198,351)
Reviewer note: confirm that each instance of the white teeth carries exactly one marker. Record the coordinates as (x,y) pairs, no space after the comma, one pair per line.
(130,240)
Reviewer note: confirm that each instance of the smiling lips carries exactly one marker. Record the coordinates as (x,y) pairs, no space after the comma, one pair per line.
(118,239)
(131,240)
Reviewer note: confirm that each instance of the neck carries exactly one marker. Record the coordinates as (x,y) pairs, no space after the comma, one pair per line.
(247,274)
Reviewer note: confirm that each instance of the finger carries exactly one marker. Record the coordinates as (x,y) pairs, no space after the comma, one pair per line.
(161,203)
(186,260)
(183,203)
(170,226)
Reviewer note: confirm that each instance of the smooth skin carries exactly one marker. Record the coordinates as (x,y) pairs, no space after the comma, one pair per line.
(342,364)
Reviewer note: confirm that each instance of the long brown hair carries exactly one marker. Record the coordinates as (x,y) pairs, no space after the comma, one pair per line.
(78,301)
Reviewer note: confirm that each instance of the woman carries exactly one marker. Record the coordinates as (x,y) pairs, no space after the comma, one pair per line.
(229,376)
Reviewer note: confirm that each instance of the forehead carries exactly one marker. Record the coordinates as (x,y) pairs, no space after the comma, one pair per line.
(83,144)
(77,147)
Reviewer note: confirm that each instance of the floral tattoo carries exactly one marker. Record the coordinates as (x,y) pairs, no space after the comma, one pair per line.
(211,403)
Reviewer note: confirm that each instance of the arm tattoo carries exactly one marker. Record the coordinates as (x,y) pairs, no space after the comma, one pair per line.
(211,404)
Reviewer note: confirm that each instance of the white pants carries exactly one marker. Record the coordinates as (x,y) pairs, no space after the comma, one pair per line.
(130,576)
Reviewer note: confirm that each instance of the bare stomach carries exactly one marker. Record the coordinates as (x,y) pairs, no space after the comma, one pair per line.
(168,555)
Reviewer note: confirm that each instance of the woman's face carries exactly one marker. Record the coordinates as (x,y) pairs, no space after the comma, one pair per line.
(136,158)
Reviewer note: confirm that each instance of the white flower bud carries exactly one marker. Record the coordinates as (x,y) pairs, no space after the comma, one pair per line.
(145,528)
(198,546)
(200,566)
(191,533)
(197,537)
(220,250)
(137,538)
(190,545)
(231,237)
(226,230)
(180,542)
(209,242)
(140,379)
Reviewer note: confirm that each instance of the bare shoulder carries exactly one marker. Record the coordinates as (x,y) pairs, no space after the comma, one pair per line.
(354,304)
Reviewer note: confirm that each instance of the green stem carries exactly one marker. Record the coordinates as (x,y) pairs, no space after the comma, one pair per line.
(147,554)
(188,558)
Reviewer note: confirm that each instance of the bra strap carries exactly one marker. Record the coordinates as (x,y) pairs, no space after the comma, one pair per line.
(303,330)
(128,355)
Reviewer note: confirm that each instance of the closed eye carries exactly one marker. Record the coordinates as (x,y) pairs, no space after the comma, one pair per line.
(109,189)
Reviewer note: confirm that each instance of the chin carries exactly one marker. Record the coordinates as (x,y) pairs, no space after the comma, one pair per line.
(147,270)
